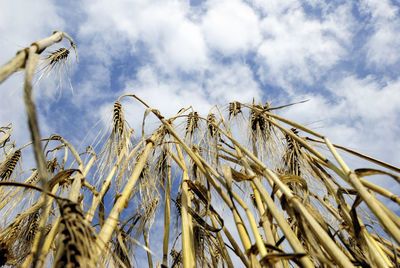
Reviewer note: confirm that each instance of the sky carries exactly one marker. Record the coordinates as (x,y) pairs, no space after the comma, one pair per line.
(344,56)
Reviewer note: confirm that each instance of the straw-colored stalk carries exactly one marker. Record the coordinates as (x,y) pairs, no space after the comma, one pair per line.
(238,221)
(221,244)
(167,213)
(259,241)
(318,231)
(112,220)
(187,222)
(106,185)
(370,200)
(147,243)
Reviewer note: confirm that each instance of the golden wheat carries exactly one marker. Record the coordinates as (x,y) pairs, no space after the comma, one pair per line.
(261,196)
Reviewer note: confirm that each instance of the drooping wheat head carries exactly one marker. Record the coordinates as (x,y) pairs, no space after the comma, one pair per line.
(149,212)
(292,155)
(193,168)
(8,166)
(178,205)
(60,55)
(62,178)
(118,119)
(76,247)
(262,135)
(146,183)
(34,178)
(115,145)
(56,62)
(161,166)
(259,125)
(192,123)
(234,109)
(211,124)
(52,165)
(5,138)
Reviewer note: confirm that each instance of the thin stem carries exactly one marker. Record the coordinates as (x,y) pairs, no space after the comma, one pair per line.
(167,213)
(146,242)
(112,220)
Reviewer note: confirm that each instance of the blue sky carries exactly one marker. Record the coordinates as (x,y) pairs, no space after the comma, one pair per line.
(342,55)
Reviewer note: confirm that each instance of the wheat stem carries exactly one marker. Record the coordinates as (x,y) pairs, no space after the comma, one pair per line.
(370,200)
(187,221)
(112,220)
(167,213)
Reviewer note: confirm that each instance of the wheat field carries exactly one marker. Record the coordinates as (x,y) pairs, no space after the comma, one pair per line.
(239,187)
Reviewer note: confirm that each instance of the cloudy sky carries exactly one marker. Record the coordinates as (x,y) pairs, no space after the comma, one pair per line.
(342,55)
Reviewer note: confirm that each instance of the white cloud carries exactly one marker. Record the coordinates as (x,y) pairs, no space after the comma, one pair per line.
(379,9)
(22,23)
(172,38)
(383,46)
(231,27)
(370,100)
(291,47)
(276,7)
(298,48)
(234,82)
(184,49)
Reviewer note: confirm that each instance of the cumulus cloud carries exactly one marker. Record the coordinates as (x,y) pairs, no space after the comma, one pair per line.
(383,46)
(21,23)
(369,99)
(231,27)
(231,83)
(167,94)
(173,40)
(275,7)
(300,49)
